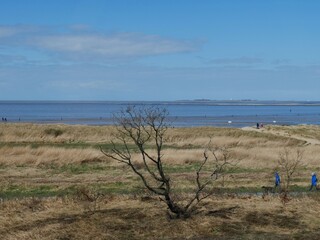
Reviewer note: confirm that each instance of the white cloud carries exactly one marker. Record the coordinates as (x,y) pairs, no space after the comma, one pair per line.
(280,61)
(123,82)
(7,31)
(14,30)
(12,59)
(79,44)
(105,84)
(239,60)
(116,45)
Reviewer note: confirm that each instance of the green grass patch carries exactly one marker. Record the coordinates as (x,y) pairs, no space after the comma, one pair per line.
(187,168)
(181,168)
(35,145)
(47,191)
(17,191)
(83,145)
(118,187)
(235,170)
(78,168)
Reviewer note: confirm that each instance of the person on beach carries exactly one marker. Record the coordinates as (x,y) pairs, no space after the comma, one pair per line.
(257,125)
(314,181)
(277,181)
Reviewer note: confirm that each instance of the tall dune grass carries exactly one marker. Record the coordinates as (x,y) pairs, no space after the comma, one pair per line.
(184,145)
(27,132)
(17,156)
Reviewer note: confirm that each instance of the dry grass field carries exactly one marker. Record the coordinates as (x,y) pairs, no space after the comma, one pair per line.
(56,184)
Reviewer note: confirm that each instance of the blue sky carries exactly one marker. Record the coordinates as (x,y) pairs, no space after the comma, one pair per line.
(159,50)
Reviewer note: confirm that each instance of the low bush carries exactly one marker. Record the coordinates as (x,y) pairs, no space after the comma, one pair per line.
(53,132)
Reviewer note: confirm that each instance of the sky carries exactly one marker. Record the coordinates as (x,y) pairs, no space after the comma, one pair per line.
(120,50)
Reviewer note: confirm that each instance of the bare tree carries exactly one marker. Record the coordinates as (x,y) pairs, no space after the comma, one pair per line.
(288,163)
(142,130)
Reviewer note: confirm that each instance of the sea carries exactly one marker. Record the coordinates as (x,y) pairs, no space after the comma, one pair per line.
(182,113)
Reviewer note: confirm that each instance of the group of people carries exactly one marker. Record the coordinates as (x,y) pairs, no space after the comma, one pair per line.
(314,181)
(4,119)
(259,125)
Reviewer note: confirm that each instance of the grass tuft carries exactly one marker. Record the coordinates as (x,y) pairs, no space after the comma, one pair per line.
(53,132)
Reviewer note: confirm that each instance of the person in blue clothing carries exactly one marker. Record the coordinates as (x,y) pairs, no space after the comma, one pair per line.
(314,181)
(277,181)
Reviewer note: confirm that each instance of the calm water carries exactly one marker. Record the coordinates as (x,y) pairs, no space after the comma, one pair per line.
(181,114)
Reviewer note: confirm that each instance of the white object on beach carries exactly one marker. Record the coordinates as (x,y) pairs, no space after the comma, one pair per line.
(274,121)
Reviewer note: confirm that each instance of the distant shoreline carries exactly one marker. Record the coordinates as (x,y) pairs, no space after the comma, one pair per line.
(174,102)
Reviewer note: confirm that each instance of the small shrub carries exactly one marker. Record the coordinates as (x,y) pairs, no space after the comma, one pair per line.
(34,204)
(88,198)
(53,132)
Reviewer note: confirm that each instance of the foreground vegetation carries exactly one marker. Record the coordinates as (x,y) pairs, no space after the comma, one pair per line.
(56,184)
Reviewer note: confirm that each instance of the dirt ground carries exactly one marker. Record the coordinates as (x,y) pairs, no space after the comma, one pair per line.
(136,217)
